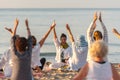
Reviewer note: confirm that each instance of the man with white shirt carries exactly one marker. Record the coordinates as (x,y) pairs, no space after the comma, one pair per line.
(37,63)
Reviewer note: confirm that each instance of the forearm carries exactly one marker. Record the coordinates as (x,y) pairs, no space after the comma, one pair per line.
(105,33)
(27,27)
(44,37)
(28,31)
(15,27)
(90,31)
(117,34)
(70,36)
(55,35)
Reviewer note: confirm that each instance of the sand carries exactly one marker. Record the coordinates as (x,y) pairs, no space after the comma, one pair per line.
(57,74)
(65,75)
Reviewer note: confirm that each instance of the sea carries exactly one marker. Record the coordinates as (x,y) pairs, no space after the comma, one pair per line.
(40,20)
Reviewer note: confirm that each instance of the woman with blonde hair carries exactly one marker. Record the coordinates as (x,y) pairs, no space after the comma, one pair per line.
(98,68)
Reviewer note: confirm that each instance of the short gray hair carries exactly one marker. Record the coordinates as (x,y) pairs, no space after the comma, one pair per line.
(98,49)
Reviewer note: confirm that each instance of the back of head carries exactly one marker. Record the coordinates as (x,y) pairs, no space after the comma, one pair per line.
(81,42)
(21,44)
(98,49)
(34,40)
(97,35)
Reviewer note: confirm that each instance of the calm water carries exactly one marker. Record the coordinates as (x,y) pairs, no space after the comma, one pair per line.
(41,19)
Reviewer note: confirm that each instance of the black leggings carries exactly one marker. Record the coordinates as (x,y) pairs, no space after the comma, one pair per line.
(42,61)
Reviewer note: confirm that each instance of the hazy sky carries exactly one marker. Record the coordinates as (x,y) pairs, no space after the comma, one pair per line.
(59,3)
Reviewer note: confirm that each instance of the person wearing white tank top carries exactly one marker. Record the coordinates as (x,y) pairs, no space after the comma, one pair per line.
(99,71)
(98,68)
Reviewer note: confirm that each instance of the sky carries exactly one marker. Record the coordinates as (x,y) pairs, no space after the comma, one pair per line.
(59,3)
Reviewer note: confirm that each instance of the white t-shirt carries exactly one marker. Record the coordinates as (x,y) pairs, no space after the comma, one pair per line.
(36,56)
(67,52)
(79,57)
(99,71)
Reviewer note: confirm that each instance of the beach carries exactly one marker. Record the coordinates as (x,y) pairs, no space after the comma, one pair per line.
(40,20)
(65,75)
(60,74)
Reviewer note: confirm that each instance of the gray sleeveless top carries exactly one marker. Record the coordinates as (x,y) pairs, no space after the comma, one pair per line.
(21,69)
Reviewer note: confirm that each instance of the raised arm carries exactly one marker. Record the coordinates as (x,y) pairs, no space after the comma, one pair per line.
(28,29)
(74,51)
(56,41)
(116,32)
(105,33)
(13,32)
(55,34)
(46,35)
(70,33)
(91,29)
(29,36)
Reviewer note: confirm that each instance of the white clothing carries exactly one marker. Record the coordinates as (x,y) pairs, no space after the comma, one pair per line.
(79,57)
(6,63)
(36,56)
(56,65)
(99,71)
(67,52)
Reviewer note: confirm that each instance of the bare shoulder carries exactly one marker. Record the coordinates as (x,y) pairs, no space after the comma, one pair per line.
(116,75)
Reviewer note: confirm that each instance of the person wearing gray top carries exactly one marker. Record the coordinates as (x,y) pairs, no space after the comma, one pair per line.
(21,51)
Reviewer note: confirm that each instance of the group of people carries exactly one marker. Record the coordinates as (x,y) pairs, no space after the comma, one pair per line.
(97,66)
(22,60)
